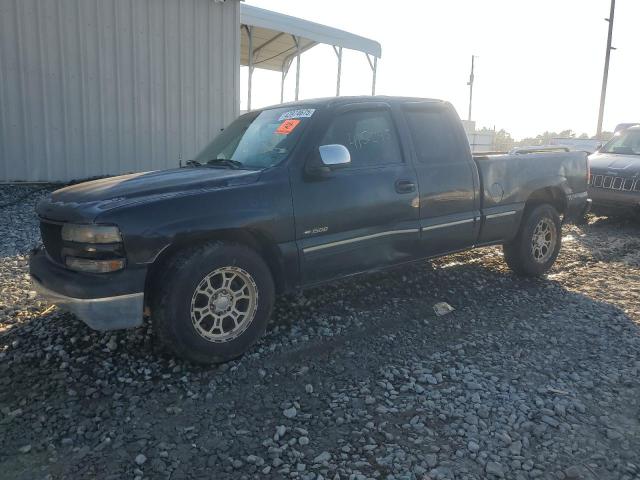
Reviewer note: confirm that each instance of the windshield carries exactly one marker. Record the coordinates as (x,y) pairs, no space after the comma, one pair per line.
(257,140)
(626,143)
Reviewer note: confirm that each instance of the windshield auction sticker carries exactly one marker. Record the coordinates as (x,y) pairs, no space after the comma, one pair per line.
(304,113)
(286,127)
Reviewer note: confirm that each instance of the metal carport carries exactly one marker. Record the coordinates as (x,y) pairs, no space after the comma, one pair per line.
(271,41)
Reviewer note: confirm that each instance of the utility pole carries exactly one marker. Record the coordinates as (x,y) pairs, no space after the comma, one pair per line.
(605,76)
(470,83)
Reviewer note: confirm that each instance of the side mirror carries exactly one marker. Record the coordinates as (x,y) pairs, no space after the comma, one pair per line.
(332,157)
(335,156)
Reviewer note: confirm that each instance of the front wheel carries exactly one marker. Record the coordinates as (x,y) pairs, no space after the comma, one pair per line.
(213,302)
(536,247)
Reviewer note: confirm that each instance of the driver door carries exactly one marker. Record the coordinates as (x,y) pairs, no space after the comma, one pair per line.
(362,216)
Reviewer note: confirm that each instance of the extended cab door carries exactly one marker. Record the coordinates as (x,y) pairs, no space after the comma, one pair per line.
(361,216)
(447,177)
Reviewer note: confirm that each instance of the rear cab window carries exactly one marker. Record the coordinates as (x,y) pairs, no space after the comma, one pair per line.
(433,133)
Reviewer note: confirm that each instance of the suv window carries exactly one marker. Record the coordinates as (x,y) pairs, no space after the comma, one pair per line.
(369,135)
(625,143)
(433,136)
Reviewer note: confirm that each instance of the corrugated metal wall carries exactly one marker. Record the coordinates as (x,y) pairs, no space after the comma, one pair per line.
(99,87)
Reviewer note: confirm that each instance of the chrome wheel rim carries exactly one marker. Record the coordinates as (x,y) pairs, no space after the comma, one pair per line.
(543,241)
(224,304)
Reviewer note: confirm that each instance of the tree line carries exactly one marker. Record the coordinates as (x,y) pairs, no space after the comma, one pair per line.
(504,142)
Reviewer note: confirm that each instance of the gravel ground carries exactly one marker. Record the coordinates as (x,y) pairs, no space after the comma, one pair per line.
(525,379)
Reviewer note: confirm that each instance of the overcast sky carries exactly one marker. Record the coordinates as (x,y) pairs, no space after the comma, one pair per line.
(539,67)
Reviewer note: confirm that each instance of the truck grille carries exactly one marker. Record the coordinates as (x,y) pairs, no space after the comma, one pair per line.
(52,239)
(613,182)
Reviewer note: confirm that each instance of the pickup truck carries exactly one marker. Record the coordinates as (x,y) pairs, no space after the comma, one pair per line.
(291,197)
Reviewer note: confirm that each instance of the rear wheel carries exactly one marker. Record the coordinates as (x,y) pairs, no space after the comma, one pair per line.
(213,302)
(536,247)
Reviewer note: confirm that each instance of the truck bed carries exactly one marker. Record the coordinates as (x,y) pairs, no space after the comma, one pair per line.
(508,180)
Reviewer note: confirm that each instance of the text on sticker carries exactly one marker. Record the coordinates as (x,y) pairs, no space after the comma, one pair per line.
(304,113)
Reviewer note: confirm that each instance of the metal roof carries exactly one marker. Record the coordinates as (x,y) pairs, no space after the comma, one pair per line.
(275,34)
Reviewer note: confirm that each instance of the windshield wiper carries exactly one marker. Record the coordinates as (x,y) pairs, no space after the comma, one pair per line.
(193,163)
(226,162)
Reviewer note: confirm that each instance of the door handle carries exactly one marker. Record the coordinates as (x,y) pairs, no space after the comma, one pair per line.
(405,186)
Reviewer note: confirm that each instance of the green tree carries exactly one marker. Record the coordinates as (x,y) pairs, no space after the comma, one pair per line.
(503,141)
(545,138)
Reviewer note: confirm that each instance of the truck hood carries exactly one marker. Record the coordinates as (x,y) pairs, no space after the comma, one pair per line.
(82,202)
(623,165)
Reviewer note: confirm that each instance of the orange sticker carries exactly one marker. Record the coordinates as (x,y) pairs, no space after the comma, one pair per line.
(287,126)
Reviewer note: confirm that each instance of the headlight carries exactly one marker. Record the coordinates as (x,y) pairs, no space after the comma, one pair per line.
(91,233)
(94,266)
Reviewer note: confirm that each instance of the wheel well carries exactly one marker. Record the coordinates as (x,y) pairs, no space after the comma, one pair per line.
(263,246)
(550,195)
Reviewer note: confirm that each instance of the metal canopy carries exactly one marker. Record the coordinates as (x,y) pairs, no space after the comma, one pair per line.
(271,41)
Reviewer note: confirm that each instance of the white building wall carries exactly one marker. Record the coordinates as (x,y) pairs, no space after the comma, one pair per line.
(481,141)
(101,87)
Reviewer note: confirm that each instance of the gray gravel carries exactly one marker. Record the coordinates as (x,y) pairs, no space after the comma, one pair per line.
(524,379)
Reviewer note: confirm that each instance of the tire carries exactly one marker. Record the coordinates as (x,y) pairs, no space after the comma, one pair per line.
(526,258)
(213,302)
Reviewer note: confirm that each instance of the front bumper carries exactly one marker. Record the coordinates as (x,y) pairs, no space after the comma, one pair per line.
(108,313)
(612,201)
(102,301)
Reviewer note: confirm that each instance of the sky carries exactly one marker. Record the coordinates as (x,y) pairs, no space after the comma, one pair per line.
(539,65)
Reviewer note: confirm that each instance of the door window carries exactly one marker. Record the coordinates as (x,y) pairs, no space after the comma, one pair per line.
(369,135)
(434,138)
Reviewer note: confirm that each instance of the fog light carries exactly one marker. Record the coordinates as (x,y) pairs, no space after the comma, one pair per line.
(94,266)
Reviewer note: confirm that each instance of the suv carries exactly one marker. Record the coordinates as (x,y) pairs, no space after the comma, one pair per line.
(614,187)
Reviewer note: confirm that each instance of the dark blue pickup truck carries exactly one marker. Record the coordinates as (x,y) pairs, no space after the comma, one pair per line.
(290,197)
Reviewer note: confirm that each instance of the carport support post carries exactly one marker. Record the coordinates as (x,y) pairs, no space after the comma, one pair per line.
(374,69)
(286,65)
(284,75)
(297,40)
(339,54)
(250,34)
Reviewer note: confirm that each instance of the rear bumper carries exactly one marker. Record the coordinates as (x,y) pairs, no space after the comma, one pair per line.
(578,205)
(104,302)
